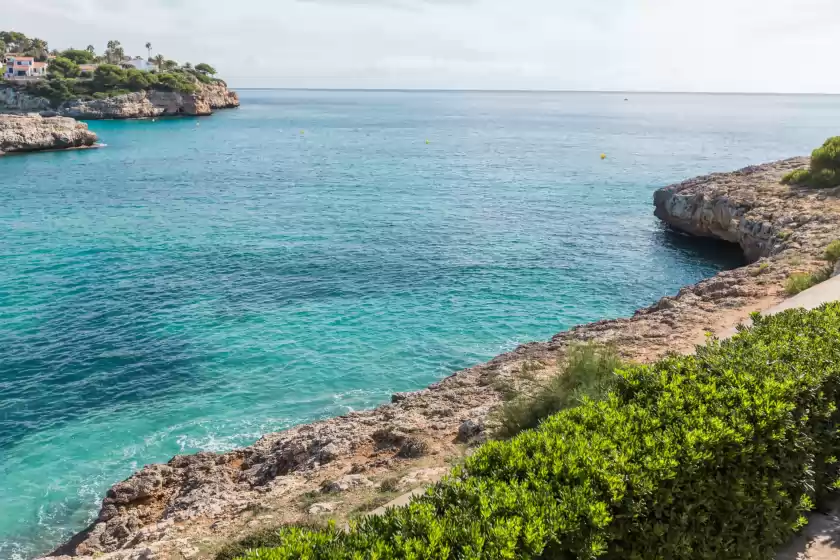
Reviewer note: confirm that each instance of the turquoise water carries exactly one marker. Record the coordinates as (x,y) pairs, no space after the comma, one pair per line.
(200,282)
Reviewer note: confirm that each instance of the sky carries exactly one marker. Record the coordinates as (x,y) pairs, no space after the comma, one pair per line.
(783,46)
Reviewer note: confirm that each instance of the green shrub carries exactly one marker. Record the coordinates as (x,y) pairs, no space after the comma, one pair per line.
(832,252)
(713,456)
(78,56)
(826,156)
(589,371)
(825,167)
(801,281)
(797,177)
(263,538)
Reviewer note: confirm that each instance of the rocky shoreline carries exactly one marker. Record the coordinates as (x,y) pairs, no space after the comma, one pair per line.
(188,507)
(32,133)
(137,105)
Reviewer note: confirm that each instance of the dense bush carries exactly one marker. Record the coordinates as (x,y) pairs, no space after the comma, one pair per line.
(825,167)
(713,456)
(588,372)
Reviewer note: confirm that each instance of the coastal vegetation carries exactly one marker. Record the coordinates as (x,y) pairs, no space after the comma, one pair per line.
(84,74)
(719,454)
(801,281)
(824,171)
(587,372)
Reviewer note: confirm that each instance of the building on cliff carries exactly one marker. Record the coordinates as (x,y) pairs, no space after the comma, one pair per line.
(23,67)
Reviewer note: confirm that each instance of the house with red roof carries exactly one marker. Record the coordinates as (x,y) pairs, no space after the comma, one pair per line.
(18,66)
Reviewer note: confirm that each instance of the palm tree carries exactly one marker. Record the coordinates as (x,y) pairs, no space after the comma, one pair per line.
(159,60)
(149,48)
(114,53)
(90,49)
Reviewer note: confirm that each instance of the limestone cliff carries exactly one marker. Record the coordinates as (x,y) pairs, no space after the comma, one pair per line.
(14,100)
(138,105)
(31,133)
(747,207)
(154,103)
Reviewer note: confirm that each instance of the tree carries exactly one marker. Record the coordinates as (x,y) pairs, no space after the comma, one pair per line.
(15,42)
(2,47)
(91,50)
(108,76)
(78,56)
(39,48)
(205,69)
(149,48)
(114,52)
(137,80)
(159,60)
(170,65)
(64,68)
(188,65)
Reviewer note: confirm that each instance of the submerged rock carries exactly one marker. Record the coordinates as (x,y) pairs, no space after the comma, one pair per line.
(32,133)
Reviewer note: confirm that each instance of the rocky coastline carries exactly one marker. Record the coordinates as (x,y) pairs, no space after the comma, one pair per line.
(137,105)
(32,133)
(188,507)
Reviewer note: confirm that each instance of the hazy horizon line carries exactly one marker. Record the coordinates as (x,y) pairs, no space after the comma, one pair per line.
(473,90)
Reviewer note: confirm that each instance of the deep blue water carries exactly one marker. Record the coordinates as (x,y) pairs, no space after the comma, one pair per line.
(200,282)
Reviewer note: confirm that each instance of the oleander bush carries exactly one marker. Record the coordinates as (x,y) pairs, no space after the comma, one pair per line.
(716,455)
(825,167)
(587,372)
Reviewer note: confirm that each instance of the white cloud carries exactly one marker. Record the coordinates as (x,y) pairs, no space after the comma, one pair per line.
(676,45)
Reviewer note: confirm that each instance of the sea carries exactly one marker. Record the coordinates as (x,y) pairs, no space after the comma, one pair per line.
(199,282)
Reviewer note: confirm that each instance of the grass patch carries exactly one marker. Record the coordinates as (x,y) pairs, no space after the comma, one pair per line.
(760,269)
(587,373)
(390,484)
(801,281)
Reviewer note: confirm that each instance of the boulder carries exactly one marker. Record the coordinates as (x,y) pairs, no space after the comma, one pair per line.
(32,133)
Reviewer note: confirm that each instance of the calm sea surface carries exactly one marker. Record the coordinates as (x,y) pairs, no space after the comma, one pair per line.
(200,282)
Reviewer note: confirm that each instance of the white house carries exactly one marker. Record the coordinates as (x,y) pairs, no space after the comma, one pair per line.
(139,64)
(18,66)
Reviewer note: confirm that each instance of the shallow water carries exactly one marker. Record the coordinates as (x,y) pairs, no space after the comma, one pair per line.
(200,282)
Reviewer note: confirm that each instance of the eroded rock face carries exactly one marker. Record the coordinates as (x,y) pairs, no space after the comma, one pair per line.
(13,100)
(32,133)
(730,206)
(154,103)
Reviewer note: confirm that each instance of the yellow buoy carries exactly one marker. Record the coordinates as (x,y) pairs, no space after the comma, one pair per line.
(603,156)
(301,131)
(427,141)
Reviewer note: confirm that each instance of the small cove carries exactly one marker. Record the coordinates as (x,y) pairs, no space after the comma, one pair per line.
(191,288)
